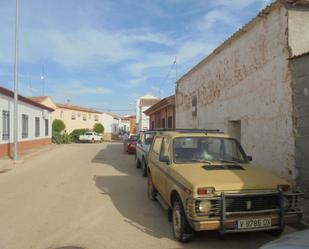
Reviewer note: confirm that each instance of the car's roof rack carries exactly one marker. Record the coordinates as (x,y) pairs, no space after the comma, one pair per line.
(186,130)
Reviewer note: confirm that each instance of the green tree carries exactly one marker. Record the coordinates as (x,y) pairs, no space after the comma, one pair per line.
(98,128)
(58,125)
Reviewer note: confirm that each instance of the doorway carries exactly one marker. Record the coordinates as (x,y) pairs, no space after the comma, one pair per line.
(234,129)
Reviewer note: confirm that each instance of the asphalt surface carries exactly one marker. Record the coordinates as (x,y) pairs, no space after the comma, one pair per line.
(92,196)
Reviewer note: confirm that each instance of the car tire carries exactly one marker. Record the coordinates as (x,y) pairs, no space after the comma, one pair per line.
(181,229)
(137,162)
(144,168)
(92,141)
(151,190)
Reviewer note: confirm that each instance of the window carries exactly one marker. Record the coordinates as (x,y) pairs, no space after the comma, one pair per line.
(165,149)
(163,123)
(234,129)
(157,145)
(5,125)
(194,106)
(73,117)
(152,125)
(89,115)
(201,149)
(84,117)
(24,124)
(46,128)
(78,114)
(170,122)
(37,126)
(96,118)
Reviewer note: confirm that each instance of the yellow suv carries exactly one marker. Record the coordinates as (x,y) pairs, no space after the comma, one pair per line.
(205,178)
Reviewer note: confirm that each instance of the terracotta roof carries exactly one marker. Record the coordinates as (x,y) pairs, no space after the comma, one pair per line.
(243,30)
(38,99)
(21,98)
(76,108)
(148,102)
(168,101)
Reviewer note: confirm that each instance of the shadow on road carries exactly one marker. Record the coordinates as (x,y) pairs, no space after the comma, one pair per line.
(127,190)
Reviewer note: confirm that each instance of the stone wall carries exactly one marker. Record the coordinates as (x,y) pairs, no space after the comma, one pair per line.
(247,82)
(300,85)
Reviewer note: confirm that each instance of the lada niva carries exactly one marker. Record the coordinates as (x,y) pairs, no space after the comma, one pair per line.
(208,183)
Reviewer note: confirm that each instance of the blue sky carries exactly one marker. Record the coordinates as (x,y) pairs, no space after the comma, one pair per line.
(105,53)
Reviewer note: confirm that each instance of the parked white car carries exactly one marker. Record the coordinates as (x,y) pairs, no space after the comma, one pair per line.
(90,137)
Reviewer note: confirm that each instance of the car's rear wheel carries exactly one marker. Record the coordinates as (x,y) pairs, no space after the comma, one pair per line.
(137,162)
(144,168)
(151,190)
(181,228)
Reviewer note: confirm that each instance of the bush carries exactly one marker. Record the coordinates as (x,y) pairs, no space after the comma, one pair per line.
(98,128)
(74,135)
(58,125)
(61,138)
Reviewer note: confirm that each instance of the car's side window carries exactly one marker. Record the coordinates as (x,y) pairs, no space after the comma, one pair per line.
(157,145)
(165,148)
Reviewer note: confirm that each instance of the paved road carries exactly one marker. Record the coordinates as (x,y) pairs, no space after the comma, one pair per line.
(90,195)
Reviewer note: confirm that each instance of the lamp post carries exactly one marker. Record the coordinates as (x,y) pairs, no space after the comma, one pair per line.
(16,83)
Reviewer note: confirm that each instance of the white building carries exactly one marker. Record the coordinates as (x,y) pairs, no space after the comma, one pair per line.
(255,86)
(142,104)
(34,123)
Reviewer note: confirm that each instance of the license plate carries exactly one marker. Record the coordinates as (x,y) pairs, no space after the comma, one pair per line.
(253,223)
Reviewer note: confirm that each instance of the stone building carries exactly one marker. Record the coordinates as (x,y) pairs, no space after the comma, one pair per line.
(162,114)
(255,87)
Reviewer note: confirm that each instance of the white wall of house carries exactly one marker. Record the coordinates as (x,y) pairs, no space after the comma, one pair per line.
(108,122)
(7,104)
(248,81)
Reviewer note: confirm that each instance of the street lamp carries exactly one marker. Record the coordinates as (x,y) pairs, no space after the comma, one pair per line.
(16,84)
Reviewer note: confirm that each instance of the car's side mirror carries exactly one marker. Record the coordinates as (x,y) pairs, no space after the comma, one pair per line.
(249,158)
(165,159)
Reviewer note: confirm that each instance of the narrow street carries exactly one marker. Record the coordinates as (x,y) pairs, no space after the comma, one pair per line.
(91,195)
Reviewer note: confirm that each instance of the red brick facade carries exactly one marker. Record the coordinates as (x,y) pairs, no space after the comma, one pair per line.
(7,149)
(162,114)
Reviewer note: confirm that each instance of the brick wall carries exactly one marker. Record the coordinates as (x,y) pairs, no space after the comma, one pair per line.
(7,149)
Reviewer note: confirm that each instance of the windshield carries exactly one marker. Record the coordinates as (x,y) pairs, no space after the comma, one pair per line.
(203,149)
(149,138)
(133,138)
(88,134)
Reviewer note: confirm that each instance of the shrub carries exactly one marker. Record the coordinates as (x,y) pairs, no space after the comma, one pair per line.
(58,125)
(74,135)
(61,138)
(98,128)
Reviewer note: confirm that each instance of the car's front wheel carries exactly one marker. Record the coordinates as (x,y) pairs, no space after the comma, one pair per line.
(181,228)
(151,189)
(137,162)
(144,168)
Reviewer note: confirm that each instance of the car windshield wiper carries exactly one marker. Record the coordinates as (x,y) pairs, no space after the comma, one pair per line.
(201,161)
(227,161)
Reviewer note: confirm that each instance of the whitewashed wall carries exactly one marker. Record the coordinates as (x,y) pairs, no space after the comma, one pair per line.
(249,80)
(7,104)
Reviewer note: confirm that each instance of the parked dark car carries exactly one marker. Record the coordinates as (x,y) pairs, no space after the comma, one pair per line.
(129,145)
(142,149)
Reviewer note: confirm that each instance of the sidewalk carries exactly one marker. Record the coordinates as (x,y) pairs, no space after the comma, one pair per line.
(7,163)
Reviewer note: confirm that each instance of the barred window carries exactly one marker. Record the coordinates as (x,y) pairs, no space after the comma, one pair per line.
(96,118)
(46,128)
(73,117)
(37,126)
(25,129)
(5,125)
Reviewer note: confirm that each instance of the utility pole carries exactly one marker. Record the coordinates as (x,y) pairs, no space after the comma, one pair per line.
(16,83)
(176,69)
